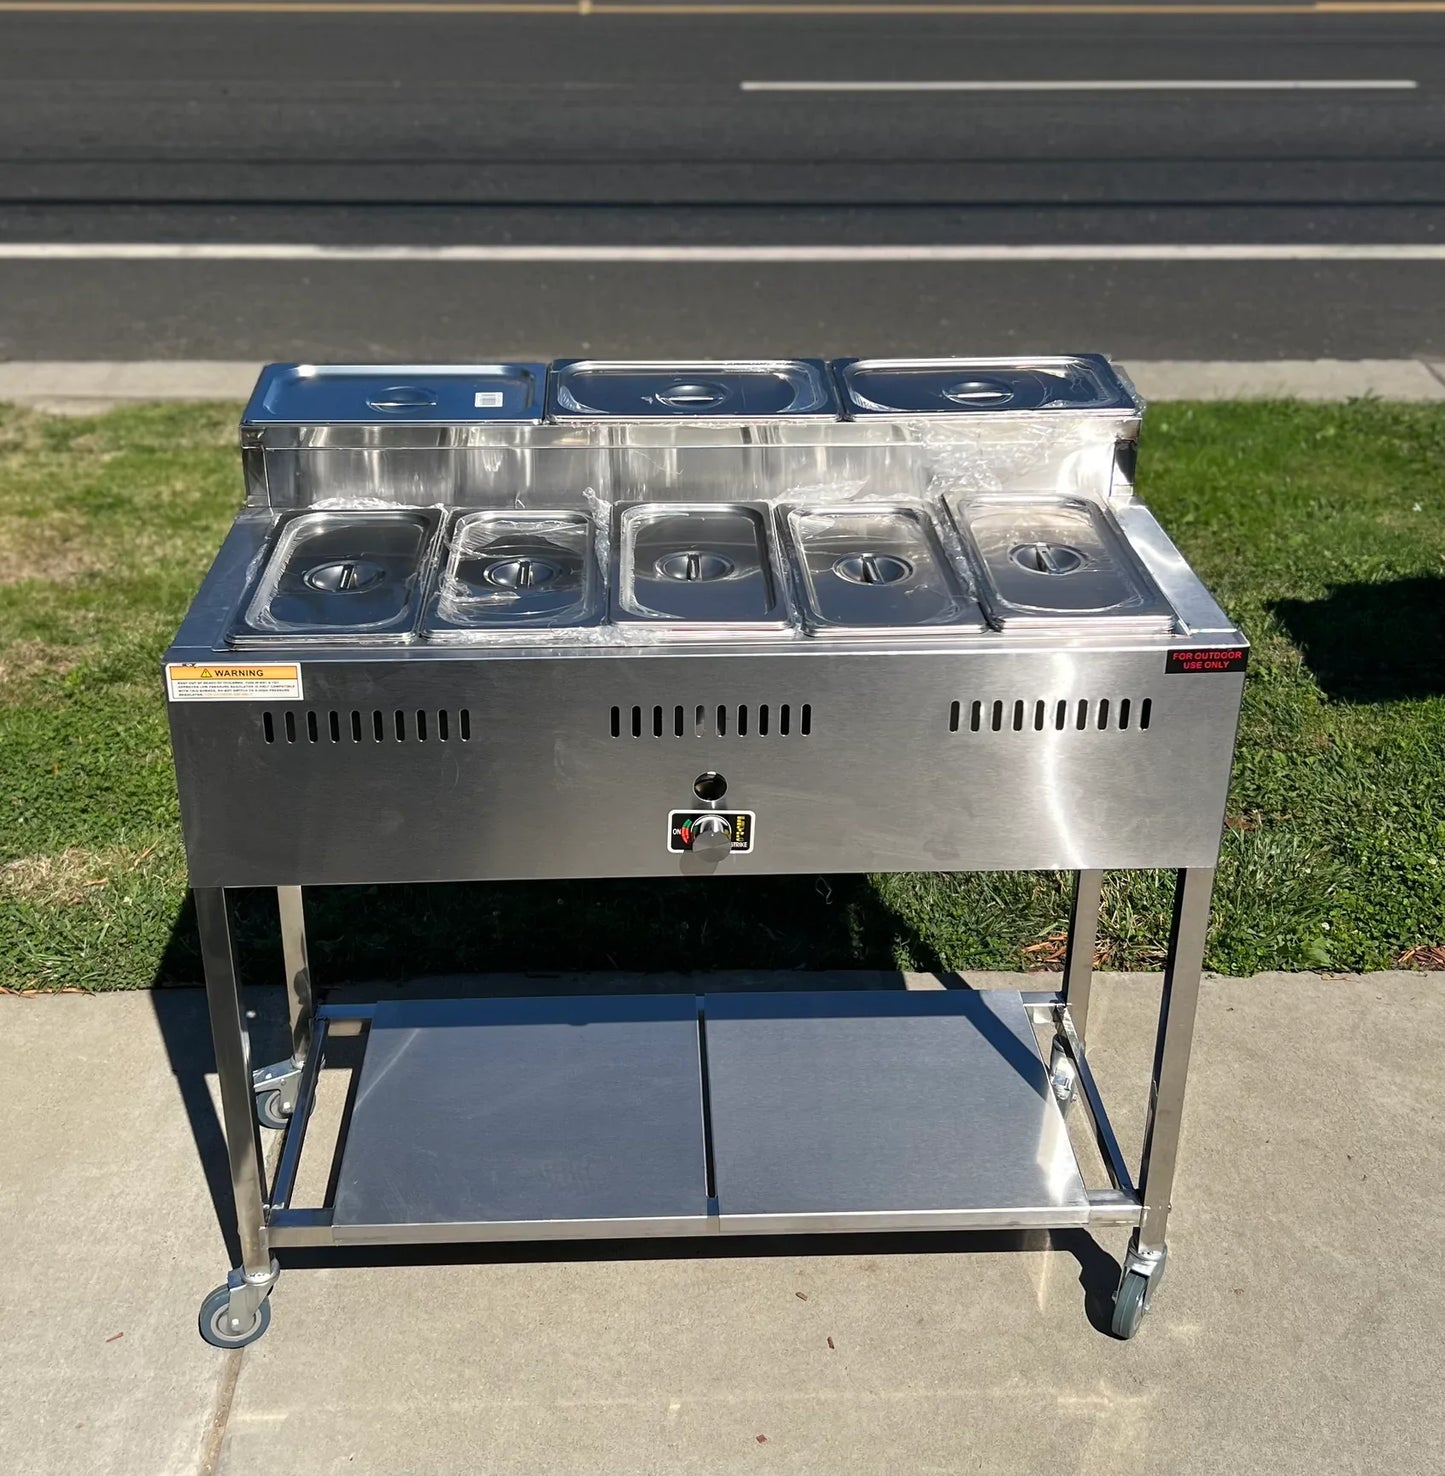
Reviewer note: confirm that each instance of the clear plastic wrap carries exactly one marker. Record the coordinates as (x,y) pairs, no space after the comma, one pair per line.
(340,576)
(536,546)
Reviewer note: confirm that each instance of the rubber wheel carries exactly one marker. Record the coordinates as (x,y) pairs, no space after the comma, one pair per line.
(1130,1304)
(213,1321)
(268,1111)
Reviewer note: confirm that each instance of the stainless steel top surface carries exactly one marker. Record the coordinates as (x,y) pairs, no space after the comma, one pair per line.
(707,564)
(908,387)
(516,570)
(1043,559)
(875,565)
(386,394)
(339,574)
(733,389)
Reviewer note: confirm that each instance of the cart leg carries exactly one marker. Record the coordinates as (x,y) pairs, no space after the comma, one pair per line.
(1078,976)
(237,1312)
(1144,1260)
(276,1086)
(1083,934)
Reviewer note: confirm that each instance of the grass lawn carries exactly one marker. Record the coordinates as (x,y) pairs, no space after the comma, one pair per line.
(1322,529)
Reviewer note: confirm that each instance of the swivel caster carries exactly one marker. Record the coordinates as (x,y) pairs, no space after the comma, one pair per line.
(275,1088)
(221,1330)
(1063,1076)
(1142,1274)
(238,1312)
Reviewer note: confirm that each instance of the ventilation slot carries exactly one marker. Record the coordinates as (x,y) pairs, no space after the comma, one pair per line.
(1051,715)
(335,726)
(719,720)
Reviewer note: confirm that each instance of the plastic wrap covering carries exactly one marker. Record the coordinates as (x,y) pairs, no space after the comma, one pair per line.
(1053,384)
(719,502)
(339,577)
(515,572)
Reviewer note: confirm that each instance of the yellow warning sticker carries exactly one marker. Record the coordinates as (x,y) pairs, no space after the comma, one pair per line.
(233,682)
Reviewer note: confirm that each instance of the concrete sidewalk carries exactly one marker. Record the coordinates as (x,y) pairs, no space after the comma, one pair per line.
(1298,1330)
(87,388)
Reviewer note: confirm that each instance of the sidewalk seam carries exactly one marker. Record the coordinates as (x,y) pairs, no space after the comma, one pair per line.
(220,1414)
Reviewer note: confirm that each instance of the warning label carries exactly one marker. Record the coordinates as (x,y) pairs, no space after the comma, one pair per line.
(232,682)
(1193,663)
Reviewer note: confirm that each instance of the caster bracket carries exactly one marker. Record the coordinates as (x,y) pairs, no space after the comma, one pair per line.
(284,1079)
(1146,1263)
(238,1312)
(1143,1271)
(247,1294)
(1063,1074)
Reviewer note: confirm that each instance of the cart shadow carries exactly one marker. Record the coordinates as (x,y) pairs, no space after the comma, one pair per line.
(638,926)
(1098,1271)
(184,1025)
(1372,642)
(181,1016)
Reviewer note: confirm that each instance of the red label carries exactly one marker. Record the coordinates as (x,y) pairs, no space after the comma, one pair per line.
(1215,658)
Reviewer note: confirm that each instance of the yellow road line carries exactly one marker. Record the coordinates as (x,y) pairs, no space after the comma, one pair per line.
(292,7)
(710,8)
(784,7)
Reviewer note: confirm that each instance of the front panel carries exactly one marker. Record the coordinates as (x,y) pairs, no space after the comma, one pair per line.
(393,770)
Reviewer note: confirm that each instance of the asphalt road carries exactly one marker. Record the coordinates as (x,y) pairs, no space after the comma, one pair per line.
(430,129)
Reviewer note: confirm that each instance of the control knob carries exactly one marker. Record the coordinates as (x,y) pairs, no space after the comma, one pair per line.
(712,837)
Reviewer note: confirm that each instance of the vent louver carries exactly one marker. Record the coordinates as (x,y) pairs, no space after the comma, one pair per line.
(713,720)
(1052,715)
(391,725)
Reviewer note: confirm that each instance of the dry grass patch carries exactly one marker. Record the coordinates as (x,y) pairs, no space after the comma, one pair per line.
(22,661)
(22,432)
(71,877)
(54,549)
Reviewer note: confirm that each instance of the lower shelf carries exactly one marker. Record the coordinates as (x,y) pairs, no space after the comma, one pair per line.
(884,1110)
(516,1118)
(722,1113)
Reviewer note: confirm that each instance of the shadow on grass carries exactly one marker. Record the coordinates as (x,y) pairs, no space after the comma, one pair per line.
(647,926)
(1372,642)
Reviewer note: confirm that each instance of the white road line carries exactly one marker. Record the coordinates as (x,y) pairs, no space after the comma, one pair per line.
(61,251)
(1113,84)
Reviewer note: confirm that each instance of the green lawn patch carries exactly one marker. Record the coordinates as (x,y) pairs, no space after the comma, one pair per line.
(1321,528)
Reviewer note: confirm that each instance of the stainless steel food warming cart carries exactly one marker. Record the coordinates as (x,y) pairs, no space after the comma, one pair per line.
(603,619)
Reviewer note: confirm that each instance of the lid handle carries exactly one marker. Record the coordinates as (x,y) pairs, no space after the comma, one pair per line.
(979,392)
(700,396)
(403,397)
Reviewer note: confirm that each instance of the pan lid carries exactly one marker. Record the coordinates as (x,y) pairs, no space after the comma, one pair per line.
(910,387)
(386,394)
(716,389)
